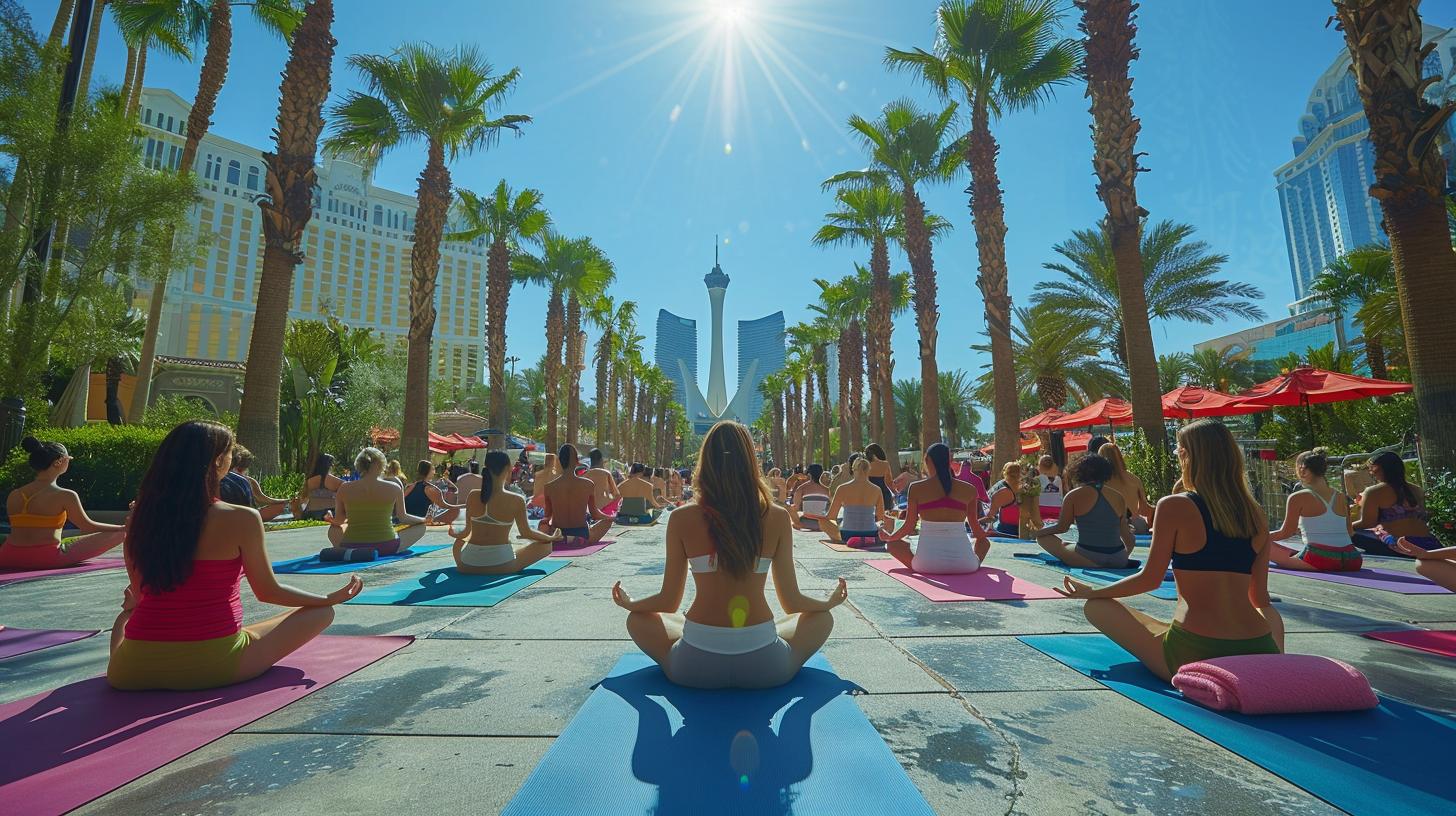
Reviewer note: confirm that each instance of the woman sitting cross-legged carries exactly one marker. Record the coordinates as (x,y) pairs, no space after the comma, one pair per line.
(1216,538)
(362,526)
(491,513)
(424,494)
(1392,509)
(316,497)
(1320,514)
(1439,565)
(729,537)
(1005,508)
(639,505)
(1104,537)
(181,622)
(809,502)
(39,510)
(864,510)
(942,505)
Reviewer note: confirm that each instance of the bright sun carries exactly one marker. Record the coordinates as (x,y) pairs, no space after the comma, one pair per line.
(729,12)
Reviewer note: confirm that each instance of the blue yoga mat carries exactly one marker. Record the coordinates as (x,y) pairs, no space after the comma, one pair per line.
(1167,590)
(641,745)
(446,587)
(313,566)
(1363,762)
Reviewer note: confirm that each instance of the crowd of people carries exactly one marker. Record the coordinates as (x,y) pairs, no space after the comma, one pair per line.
(196,530)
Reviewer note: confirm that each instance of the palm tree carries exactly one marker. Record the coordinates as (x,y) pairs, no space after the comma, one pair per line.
(1178,276)
(606,314)
(286,211)
(839,310)
(280,18)
(907,399)
(628,347)
(1055,361)
(446,99)
(772,388)
(533,382)
(1359,275)
(1222,369)
(587,282)
(907,148)
(507,220)
(1384,40)
(1003,55)
(956,398)
(169,25)
(1173,370)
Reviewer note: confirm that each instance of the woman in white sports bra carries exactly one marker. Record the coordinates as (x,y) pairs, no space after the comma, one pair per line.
(1320,515)
(491,512)
(730,537)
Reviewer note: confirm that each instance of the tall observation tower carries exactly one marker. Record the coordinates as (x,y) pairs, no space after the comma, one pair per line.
(717,283)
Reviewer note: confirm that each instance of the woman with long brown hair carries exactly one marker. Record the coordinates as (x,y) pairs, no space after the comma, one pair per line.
(181,622)
(729,537)
(1217,539)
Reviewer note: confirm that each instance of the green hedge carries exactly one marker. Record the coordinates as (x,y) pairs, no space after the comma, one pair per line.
(107,468)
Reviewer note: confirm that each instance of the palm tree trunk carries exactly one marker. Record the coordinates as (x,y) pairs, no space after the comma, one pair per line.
(199,119)
(603,350)
(776,435)
(880,333)
(855,366)
(988,219)
(286,211)
(139,78)
(574,353)
(433,195)
(114,370)
(555,328)
(62,21)
(93,39)
(809,414)
(629,406)
(614,387)
(1388,53)
(872,374)
(128,79)
(922,271)
(498,294)
(845,436)
(1375,356)
(824,404)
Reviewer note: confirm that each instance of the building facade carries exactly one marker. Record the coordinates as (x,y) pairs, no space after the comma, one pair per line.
(677,352)
(1324,195)
(760,353)
(1290,335)
(356,263)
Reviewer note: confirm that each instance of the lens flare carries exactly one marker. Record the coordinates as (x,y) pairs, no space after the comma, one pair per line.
(738,611)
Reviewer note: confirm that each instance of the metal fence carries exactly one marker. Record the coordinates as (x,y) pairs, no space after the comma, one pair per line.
(1271,479)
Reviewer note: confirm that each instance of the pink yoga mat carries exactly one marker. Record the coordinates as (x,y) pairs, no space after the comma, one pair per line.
(16,576)
(563,551)
(985,584)
(1388,580)
(64,748)
(15,642)
(1434,641)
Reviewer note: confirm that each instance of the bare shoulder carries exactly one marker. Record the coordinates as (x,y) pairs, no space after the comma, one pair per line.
(777,515)
(1177,504)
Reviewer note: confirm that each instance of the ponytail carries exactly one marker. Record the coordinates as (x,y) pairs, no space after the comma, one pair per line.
(939,455)
(496,463)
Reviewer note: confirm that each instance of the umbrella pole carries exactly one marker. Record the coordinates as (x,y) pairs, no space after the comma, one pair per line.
(1309,422)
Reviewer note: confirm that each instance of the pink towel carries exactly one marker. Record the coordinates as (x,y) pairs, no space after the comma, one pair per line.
(1275,684)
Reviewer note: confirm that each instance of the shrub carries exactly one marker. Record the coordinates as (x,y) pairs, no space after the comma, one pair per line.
(1154,466)
(107,468)
(171,410)
(1441,504)
(282,486)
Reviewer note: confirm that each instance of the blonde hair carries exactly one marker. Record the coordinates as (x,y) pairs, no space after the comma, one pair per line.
(1011,467)
(861,466)
(1113,454)
(368,458)
(733,499)
(1214,469)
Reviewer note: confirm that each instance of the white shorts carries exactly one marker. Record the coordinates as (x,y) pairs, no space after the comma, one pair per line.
(486,555)
(944,549)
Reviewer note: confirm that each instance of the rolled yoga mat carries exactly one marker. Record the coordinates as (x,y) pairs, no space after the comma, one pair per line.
(985,584)
(1167,590)
(85,740)
(1435,641)
(311,565)
(1348,759)
(641,745)
(447,587)
(16,576)
(1387,580)
(560,549)
(15,642)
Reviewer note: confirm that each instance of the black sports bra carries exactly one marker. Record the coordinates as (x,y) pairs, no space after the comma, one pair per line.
(1221,553)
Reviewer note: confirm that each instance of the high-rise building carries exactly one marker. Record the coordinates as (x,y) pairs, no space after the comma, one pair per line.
(677,352)
(356,263)
(760,353)
(1324,191)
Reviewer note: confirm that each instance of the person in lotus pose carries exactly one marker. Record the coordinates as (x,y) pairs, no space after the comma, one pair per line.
(39,510)
(639,505)
(1104,538)
(484,546)
(362,526)
(943,507)
(570,503)
(1320,515)
(863,504)
(810,500)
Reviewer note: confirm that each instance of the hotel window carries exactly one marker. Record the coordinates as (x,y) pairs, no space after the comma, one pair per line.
(174,157)
(147,116)
(235,172)
(378,216)
(171,124)
(253,178)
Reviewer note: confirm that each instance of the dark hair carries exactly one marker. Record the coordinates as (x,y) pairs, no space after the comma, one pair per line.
(596,456)
(43,454)
(1094,445)
(423,469)
(874,450)
(637,467)
(939,455)
(798,469)
(242,458)
(1315,461)
(815,471)
(566,456)
(172,503)
(322,465)
(854,457)
(474,466)
(1392,472)
(1093,469)
(496,462)
(733,498)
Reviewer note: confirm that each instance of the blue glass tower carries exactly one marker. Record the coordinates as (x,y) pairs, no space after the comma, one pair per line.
(760,353)
(677,351)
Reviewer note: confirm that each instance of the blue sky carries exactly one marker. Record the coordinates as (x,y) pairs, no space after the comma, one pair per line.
(636,101)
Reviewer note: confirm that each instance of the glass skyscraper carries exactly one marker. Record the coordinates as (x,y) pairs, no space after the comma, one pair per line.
(760,353)
(677,342)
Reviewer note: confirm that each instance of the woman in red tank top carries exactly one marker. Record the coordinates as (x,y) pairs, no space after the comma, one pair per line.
(181,622)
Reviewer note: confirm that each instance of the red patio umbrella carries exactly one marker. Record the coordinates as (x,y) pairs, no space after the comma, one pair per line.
(1308,386)
(1072,442)
(1029,444)
(441,444)
(1038,422)
(1191,401)
(1110,412)
(466,442)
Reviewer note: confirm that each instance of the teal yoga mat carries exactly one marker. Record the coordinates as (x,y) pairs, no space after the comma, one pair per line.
(446,587)
(1363,762)
(641,745)
(1168,590)
(311,565)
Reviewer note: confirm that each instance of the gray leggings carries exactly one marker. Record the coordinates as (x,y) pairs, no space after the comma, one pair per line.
(772,665)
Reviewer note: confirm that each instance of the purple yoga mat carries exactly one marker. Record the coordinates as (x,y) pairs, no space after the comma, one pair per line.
(15,642)
(64,748)
(985,584)
(16,576)
(1387,580)
(560,550)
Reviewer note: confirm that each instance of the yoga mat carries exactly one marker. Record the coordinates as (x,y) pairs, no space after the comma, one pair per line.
(1167,590)
(85,740)
(1049,560)
(16,576)
(446,587)
(1387,580)
(15,642)
(879,548)
(561,550)
(641,746)
(1434,641)
(985,584)
(311,565)
(1348,759)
